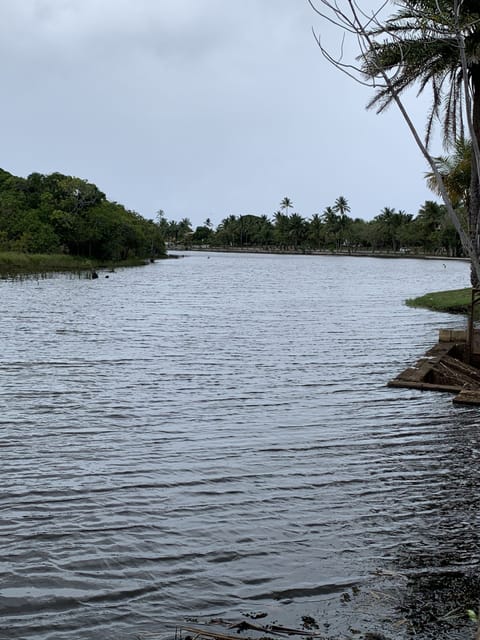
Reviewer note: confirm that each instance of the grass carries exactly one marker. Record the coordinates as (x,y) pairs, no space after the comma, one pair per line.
(12,263)
(456,301)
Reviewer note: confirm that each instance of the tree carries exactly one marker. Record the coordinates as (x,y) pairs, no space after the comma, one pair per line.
(58,213)
(358,234)
(162,223)
(202,235)
(316,231)
(286,204)
(432,43)
(389,225)
(265,231)
(456,171)
(341,206)
(332,225)
(184,229)
(282,228)
(296,229)
(227,231)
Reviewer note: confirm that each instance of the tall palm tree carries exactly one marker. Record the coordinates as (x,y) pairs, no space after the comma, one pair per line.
(420,45)
(286,204)
(341,206)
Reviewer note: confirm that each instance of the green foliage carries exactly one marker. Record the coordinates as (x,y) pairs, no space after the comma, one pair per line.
(456,301)
(55,213)
(247,230)
(391,231)
(418,46)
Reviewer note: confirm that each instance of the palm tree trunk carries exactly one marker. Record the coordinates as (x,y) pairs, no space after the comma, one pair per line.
(474,204)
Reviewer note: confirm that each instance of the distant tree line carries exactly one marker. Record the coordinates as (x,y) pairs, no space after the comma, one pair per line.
(428,232)
(62,214)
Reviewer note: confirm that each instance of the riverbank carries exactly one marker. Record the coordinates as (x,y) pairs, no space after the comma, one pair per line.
(456,301)
(314,252)
(15,263)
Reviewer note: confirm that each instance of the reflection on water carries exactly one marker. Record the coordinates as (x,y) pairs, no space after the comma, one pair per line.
(214,435)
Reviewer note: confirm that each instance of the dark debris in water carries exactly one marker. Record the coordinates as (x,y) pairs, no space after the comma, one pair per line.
(221,629)
(308,622)
(424,604)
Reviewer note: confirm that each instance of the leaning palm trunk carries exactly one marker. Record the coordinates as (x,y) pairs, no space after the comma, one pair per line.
(474,199)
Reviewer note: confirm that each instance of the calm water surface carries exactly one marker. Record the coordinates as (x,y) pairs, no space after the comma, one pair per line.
(213,435)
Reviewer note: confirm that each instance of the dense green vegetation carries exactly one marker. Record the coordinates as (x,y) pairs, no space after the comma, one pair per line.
(456,301)
(391,231)
(58,214)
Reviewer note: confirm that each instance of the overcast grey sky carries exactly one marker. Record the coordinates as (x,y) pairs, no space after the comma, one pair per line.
(202,108)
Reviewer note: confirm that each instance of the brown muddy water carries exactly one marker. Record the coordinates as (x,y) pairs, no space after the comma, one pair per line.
(213,436)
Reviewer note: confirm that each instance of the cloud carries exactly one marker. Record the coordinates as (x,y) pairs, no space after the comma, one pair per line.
(181,28)
(200,107)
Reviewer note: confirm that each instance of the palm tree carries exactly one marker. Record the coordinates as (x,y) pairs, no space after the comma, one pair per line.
(281,229)
(332,225)
(228,229)
(162,222)
(455,170)
(286,204)
(389,226)
(420,44)
(316,230)
(265,230)
(341,206)
(430,221)
(184,229)
(173,231)
(296,229)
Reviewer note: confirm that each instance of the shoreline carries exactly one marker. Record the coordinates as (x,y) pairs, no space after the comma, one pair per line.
(314,252)
(16,264)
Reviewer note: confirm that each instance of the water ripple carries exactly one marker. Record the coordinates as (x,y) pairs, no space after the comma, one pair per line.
(200,435)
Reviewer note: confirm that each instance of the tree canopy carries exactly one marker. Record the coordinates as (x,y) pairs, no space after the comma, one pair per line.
(390,231)
(63,214)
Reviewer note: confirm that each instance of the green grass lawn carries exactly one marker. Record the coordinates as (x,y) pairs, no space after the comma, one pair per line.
(456,301)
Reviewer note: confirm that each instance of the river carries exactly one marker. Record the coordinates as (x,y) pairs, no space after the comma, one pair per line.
(213,435)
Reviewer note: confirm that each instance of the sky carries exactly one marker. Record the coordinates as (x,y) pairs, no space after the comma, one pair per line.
(201,108)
